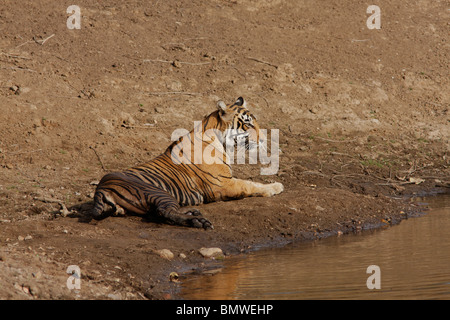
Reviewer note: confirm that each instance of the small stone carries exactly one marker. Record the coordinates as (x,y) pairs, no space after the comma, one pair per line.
(64,211)
(319,208)
(295,129)
(34,290)
(144,235)
(176,64)
(182,256)
(211,252)
(166,254)
(416,180)
(24,90)
(174,277)
(115,296)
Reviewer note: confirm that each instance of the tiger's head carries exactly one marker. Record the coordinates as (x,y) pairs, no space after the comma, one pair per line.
(241,127)
(218,134)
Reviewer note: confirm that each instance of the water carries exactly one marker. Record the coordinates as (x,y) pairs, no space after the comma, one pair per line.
(413,257)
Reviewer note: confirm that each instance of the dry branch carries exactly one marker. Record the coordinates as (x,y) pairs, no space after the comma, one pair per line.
(41,42)
(175,92)
(262,61)
(14,56)
(99,159)
(176,61)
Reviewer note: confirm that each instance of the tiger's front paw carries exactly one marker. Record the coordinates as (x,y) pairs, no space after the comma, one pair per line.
(278,187)
(274,188)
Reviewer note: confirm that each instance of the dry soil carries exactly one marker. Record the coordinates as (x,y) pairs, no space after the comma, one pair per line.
(363,116)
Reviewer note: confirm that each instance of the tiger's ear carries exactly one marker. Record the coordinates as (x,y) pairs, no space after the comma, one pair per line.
(239,102)
(224,111)
(222,106)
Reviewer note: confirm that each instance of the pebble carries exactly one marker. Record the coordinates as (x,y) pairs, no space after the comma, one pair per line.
(64,212)
(174,277)
(166,254)
(176,64)
(211,252)
(24,90)
(21,238)
(115,296)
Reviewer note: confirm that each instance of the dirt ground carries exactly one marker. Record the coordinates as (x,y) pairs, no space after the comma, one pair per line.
(363,117)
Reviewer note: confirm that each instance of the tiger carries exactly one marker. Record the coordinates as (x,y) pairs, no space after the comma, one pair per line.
(170,181)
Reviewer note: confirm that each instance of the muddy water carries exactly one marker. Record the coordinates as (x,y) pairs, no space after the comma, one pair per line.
(413,259)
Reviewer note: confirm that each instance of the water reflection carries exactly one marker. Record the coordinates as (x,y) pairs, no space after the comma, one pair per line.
(414,259)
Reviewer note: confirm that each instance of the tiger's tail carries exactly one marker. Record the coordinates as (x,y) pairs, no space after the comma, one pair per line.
(99,204)
(102,206)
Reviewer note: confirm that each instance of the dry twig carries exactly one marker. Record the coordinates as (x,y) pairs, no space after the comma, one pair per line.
(14,56)
(175,92)
(262,61)
(180,62)
(18,68)
(335,141)
(41,42)
(98,157)
(48,200)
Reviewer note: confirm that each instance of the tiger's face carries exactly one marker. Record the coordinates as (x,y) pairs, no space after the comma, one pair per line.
(242,127)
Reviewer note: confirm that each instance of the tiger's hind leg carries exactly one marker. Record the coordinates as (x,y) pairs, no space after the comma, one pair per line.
(119,191)
(167,207)
(158,201)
